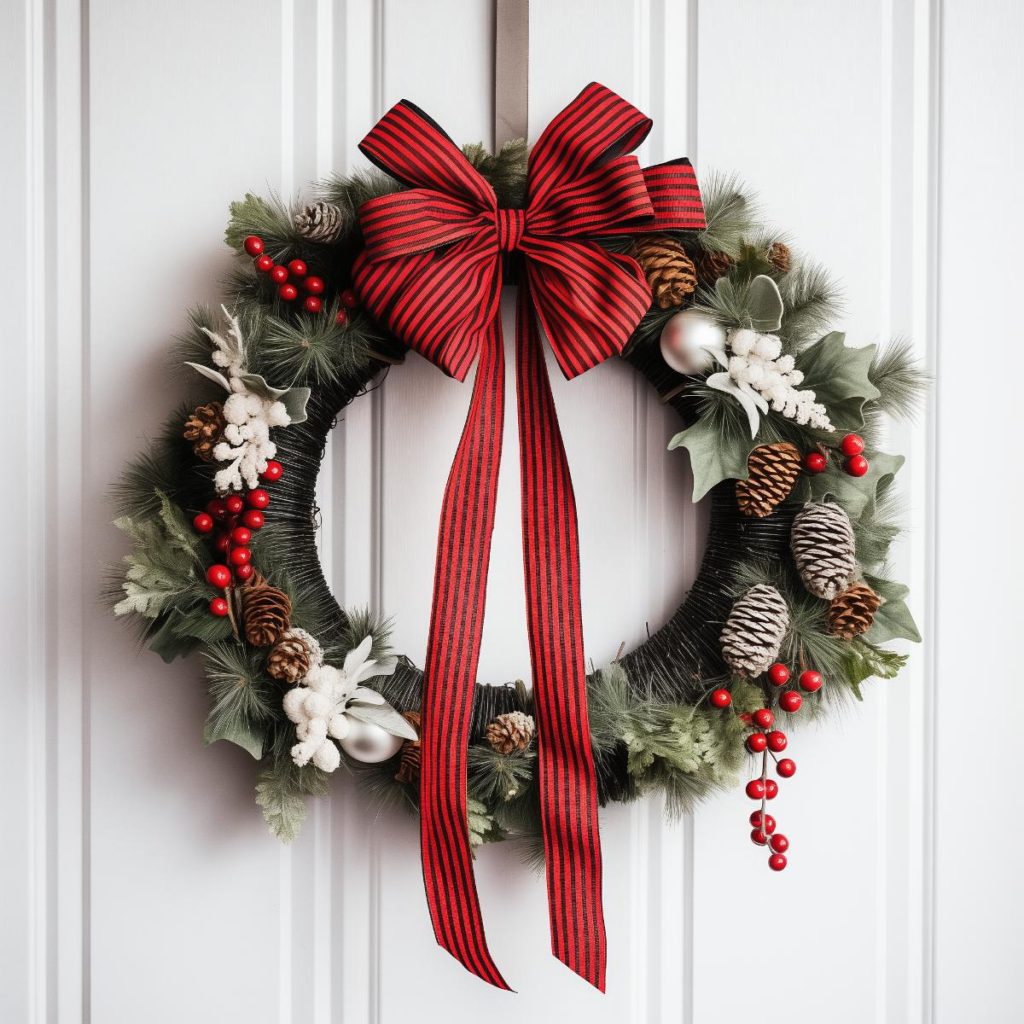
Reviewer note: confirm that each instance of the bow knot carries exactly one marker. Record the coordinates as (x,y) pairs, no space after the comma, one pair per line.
(431,270)
(510,224)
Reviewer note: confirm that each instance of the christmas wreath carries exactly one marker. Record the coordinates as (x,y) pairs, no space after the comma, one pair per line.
(781,419)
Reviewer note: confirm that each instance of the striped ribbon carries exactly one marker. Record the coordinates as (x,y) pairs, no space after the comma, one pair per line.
(432,271)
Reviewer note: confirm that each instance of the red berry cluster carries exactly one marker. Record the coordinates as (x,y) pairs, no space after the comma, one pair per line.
(231,524)
(851,446)
(767,740)
(289,279)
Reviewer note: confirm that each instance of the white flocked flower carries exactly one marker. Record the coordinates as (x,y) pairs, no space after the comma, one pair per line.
(326,700)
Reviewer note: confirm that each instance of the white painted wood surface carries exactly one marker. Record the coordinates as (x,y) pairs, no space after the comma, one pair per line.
(136,879)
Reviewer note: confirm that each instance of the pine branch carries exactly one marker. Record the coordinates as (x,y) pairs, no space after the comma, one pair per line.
(900,379)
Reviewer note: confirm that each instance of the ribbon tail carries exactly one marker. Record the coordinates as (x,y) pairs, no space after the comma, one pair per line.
(453,653)
(568,778)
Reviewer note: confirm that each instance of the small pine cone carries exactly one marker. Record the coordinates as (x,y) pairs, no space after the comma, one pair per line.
(266,612)
(774,469)
(714,265)
(409,765)
(294,654)
(670,273)
(824,549)
(754,630)
(320,222)
(510,732)
(853,612)
(780,257)
(204,428)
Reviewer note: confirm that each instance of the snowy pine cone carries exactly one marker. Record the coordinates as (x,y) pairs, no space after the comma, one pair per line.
(824,549)
(320,222)
(754,630)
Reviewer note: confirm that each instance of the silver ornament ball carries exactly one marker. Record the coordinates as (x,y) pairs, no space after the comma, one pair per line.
(370,743)
(689,341)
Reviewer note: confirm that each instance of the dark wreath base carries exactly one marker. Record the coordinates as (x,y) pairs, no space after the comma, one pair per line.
(673,665)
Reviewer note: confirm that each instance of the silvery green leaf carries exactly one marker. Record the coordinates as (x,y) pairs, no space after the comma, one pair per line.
(383,715)
(206,371)
(764,305)
(293,399)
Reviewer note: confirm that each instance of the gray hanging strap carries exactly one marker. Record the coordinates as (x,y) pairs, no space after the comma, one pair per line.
(511,70)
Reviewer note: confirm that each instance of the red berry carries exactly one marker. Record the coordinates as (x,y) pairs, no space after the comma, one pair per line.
(341,317)
(253,519)
(264,263)
(779,843)
(233,505)
(786,768)
(314,285)
(756,742)
(298,268)
(279,274)
(216,508)
(857,466)
(755,789)
(258,498)
(274,471)
(721,698)
(778,674)
(811,681)
(815,462)
(777,861)
(777,741)
(203,523)
(763,718)
(218,576)
(244,572)
(769,821)
(241,537)
(349,299)
(790,701)
(771,789)
(852,444)
(221,543)
(240,556)
(219,607)
(757,836)
(253,245)
(311,304)
(288,292)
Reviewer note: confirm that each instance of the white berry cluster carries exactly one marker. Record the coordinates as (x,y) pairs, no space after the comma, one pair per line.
(757,360)
(246,447)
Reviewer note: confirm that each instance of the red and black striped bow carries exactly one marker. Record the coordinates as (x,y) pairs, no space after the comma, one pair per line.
(432,271)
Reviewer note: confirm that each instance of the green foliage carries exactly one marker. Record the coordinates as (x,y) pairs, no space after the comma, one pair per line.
(481,824)
(899,379)
(812,300)
(281,792)
(505,170)
(270,218)
(893,620)
(498,778)
(244,702)
(313,348)
(731,213)
(838,375)
(718,444)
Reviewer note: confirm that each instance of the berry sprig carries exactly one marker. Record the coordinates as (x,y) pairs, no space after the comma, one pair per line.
(289,278)
(230,523)
(852,447)
(766,739)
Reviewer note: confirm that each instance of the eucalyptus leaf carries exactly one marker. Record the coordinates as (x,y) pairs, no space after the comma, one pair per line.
(385,716)
(764,305)
(838,376)
(293,399)
(713,458)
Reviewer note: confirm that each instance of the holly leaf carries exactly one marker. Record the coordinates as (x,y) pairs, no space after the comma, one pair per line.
(713,457)
(854,493)
(169,643)
(293,399)
(893,620)
(235,729)
(838,376)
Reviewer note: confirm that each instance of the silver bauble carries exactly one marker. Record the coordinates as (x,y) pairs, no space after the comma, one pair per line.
(369,743)
(690,340)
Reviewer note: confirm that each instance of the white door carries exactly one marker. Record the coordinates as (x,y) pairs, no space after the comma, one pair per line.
(138,881)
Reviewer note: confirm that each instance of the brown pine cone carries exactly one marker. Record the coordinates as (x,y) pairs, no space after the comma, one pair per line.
(204,428)
(409,766)
(266,612)
(780,257)
(714,265)
(670,273)
(510,732)
(320,222)
(774,469)
(291,657)
(853,611)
